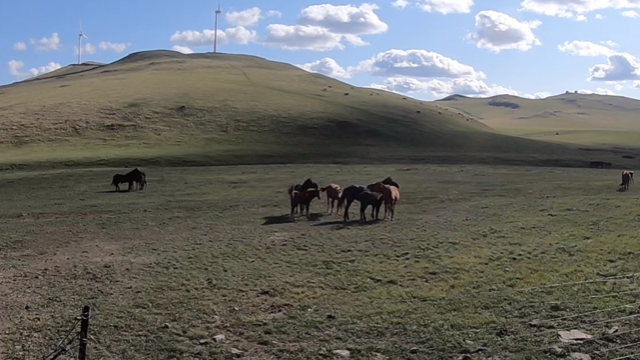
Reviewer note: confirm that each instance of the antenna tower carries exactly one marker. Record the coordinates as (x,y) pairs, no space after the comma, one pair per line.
(215,31)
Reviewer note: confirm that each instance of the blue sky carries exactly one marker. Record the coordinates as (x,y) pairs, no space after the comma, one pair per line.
(425,48)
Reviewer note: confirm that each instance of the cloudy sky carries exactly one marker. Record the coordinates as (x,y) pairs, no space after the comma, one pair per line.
(425,48)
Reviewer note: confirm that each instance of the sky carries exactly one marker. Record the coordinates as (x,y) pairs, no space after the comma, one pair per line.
(426,49)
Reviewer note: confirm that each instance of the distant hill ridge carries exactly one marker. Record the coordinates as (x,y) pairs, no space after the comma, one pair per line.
(239,108)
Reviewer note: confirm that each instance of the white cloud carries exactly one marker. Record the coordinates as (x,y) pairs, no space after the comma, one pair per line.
(581,18)
(574,8)
(636,84)
(598,16)
(417,64)
(46,44)
(619,67)
(325,27)
(194,38)
(444,7)
(496,31)
(274,13)
(246,18)
(585,48)
(240,35)
(20,46)
(326,66)
(439,88)
(609,43)
(401,4)
(182,49)
(15,67)
(300,37)
(344,19)
(44,69)
(115,47)
(599,91)
(86,49)
(538,95)
(630,14)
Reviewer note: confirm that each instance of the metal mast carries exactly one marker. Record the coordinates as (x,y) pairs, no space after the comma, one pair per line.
(215,34)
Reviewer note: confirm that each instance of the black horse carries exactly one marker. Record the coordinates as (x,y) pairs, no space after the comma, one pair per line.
(132,176)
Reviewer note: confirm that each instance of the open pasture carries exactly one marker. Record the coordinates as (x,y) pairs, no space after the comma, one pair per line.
(211,251)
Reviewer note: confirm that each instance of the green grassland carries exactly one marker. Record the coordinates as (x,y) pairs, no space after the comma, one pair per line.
(164,108)
(576,118)
(206,251)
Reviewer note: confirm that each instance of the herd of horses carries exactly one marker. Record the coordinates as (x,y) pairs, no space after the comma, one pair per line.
(385,192)
(135,175)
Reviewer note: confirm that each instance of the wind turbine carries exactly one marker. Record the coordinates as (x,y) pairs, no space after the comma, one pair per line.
(215,31)
(80,36)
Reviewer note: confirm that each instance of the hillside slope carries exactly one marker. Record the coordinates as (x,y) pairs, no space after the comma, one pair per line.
(578,118)
(221,108)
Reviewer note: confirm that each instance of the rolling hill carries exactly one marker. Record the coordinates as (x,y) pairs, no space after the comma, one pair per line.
(570,117)
(164,107)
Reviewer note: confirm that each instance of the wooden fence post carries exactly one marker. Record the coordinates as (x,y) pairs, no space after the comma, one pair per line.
(84,333)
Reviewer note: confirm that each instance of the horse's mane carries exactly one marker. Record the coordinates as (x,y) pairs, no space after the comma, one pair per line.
(389,181)
(308,184)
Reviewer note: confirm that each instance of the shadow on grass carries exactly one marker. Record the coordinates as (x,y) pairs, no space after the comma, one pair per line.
(620,190)
(113,192)
(339,224)
(286,218)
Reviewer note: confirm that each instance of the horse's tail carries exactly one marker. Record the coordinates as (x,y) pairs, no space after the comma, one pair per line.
(341,199)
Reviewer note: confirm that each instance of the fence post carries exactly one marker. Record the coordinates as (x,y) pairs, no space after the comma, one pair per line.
(84,333)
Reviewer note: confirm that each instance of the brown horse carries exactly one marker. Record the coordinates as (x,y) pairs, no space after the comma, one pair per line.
(142,180)
(333,195)
(372,198)
(305,198)
(294,197)
(119,179)
(290,191)
(349,194)
(132,176)
(626,178)
(391,196)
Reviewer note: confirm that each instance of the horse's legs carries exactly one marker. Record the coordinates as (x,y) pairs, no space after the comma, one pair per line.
(363,210)
(346,209)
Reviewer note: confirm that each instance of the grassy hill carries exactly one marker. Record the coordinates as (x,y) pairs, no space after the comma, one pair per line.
(168,108)
(578,118)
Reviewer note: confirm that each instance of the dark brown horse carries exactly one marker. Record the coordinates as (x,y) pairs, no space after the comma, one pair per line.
(119,179)
(349,194)
(142,180)
(132,176)
(372,198)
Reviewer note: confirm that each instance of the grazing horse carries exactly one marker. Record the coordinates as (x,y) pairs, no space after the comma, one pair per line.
(142,180)
(305,198)
(119,179)
(132,176)
(626,177)
(391,196)
(296,188)
(372,198)
(294,197)
(333,194)
(630,174)
(350,194)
